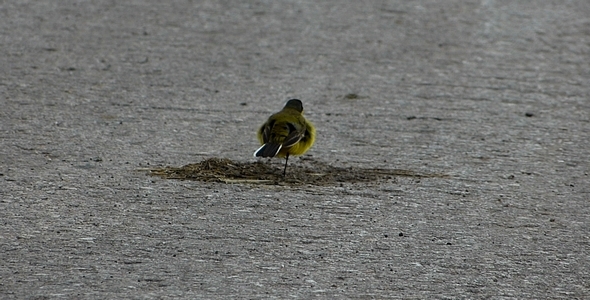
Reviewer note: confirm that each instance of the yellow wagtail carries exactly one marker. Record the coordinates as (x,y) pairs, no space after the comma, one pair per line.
(286,133)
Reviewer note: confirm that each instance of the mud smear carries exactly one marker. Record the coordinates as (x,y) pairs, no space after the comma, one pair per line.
(305,172)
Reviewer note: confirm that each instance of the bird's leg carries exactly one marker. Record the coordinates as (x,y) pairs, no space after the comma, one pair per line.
(285,170)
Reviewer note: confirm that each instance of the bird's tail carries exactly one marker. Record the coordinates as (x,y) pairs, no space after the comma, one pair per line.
(268,150)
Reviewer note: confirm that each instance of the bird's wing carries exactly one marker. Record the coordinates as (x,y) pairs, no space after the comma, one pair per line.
(266,130)
(295,135)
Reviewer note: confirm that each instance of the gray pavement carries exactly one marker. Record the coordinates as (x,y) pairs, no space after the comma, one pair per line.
(496,94)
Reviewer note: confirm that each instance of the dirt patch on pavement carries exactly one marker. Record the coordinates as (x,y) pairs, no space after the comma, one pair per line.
(312,173)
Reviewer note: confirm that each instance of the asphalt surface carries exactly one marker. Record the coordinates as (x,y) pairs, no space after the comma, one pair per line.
(493,94)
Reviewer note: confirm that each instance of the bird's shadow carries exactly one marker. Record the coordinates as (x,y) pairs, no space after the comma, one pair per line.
(311,173)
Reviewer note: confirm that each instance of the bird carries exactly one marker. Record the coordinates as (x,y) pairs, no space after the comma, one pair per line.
(286,133)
